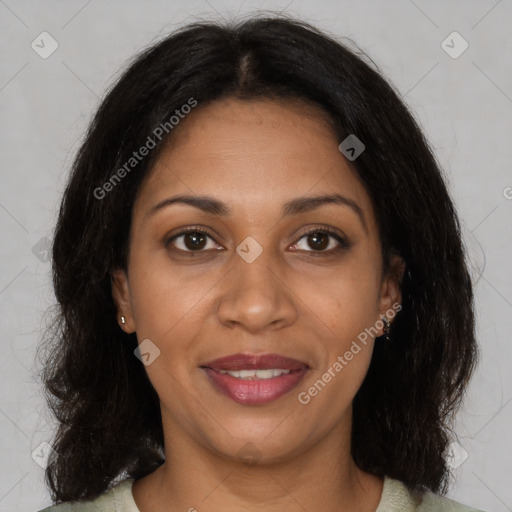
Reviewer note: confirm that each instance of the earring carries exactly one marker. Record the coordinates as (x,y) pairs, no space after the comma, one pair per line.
(123,320)
(387,326)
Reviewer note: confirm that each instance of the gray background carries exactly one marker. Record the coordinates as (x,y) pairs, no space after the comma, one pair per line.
(464,105)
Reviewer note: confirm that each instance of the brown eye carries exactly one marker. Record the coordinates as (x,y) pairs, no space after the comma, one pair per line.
(191,241)
(321,241)
(194,240)
(318,241)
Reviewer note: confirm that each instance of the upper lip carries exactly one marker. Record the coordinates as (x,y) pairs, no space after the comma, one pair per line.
(236,362)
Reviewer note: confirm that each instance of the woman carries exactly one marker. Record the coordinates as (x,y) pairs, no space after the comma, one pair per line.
(264,301)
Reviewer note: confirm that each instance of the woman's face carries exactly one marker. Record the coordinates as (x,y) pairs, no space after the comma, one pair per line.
(255,282)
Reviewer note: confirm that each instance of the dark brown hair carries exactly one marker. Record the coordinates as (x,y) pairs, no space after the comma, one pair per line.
(108,412)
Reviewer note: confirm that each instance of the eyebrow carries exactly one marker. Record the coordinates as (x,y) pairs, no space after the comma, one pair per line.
(296,206)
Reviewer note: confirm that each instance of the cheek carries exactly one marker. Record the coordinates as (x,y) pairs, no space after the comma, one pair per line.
(347,306)
(163,299)
(344,300)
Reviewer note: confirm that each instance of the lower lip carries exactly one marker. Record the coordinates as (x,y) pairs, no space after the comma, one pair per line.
(256,391)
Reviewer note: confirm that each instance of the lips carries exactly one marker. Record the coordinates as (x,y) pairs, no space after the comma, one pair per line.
(245,386)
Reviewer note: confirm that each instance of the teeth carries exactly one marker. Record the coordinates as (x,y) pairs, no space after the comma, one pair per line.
(256,374)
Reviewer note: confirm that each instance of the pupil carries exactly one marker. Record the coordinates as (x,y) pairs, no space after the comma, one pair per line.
(315,237)
(196,240)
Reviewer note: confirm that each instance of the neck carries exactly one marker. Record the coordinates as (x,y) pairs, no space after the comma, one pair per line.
(324,477)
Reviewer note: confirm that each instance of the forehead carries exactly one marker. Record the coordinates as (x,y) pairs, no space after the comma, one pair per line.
(253,152)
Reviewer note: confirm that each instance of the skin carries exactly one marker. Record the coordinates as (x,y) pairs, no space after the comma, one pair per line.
(293,300)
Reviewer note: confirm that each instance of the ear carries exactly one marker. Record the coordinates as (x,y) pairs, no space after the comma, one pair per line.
(390,292)
(121,296)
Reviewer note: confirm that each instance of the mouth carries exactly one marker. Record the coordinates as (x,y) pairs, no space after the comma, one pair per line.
(255,379)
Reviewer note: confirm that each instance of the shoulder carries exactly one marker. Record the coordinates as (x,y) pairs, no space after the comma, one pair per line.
(396,497)
(117,499)
(434,503)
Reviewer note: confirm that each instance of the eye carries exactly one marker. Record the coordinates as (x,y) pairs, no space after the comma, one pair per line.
(322,240)
(192,240)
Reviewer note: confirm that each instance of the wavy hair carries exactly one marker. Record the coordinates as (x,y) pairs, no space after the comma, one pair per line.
(108,414)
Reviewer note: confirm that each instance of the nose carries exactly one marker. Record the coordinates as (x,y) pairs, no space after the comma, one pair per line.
(256,296)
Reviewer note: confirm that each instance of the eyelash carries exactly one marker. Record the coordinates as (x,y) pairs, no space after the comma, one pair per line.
(343,243)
